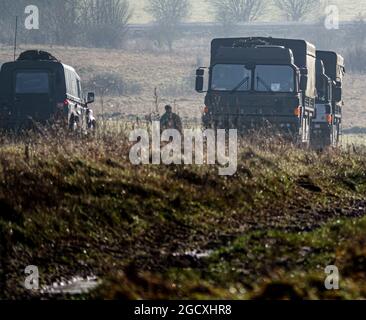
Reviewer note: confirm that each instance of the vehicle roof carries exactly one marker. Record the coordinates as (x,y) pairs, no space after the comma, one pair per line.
(333,62)
(268,55)
(37,64)
(67,67)
(301,49)
(218,42)
(331,55)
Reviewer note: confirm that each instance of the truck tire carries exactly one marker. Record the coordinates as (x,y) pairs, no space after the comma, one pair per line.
(73,124)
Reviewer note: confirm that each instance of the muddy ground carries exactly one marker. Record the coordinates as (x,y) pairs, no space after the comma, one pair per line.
(81,209)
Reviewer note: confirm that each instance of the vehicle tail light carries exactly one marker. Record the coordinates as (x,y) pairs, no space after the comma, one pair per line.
(297,112)
(62,105)
(205,110)
(329,118)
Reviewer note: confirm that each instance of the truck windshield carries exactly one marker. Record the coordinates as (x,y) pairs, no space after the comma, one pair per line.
(230,77)
(322,87)
(271,78)
(31,82)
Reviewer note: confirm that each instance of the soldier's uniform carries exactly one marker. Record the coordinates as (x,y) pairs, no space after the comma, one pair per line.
(170,120)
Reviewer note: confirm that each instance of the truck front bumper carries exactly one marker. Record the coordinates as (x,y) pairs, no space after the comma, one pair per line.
(245,123)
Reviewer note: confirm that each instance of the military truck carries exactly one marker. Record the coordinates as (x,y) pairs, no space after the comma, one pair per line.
(327,124)
(261,82)
(38,88)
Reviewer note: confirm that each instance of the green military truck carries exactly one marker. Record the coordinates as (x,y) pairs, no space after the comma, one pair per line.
(261,82)
(38,88)
(327,123)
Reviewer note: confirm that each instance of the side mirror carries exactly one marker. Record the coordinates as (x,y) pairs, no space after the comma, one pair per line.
(303,82)
(337,93)
(90,98)
(200,74)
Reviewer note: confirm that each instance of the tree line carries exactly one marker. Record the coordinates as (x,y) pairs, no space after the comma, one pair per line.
(104,23)
(99,23)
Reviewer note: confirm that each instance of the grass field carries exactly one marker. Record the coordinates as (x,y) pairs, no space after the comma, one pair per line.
(79,208)
(201,11)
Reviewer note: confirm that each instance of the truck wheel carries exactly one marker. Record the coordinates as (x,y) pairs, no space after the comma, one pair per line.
(73,124)
(306,133)
(92,125)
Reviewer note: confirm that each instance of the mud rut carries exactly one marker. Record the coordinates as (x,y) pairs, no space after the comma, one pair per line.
(175,245)
(171,243)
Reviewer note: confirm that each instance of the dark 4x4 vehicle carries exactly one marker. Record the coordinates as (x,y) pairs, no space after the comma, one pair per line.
(38,88)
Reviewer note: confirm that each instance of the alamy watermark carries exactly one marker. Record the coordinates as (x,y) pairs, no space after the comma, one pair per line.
(332,279)
(166,147)
(32,19)
(331,17)
(32,278)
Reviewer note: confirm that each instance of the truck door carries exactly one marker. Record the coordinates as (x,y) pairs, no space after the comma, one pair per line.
(34,94)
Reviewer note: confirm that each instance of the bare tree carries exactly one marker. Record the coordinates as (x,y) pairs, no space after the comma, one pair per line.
(60,20)
(105,21)
(234,11)
(168,15)
(100,23)
(296,10)
(101,12)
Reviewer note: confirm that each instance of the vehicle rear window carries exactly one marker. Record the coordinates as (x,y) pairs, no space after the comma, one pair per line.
(32,82)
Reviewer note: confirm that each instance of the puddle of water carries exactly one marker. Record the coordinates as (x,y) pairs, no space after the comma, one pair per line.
(75,286)
(195,254)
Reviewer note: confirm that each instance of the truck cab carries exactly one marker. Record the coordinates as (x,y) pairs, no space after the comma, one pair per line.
(38,88)
(260,82)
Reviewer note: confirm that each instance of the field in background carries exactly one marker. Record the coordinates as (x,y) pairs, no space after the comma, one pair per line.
(201,11)
(354,139)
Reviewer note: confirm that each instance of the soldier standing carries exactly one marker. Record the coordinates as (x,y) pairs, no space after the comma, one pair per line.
(170,120)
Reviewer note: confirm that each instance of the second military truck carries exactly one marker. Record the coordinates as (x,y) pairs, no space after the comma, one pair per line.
(327,124)
(262,82)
